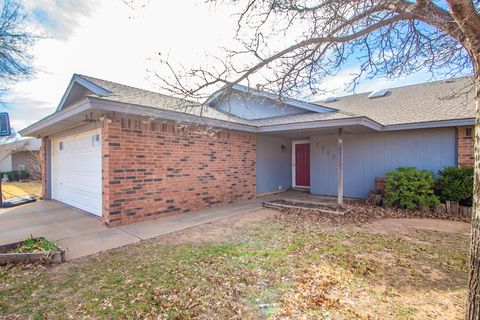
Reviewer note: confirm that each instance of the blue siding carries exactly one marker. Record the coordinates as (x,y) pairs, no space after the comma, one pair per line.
(274,165)
(368,156)
(250,107)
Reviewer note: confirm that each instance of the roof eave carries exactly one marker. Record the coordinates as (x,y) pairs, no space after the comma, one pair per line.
(140,110)
(101,104)
(34,130)
(431,124)
(323,124)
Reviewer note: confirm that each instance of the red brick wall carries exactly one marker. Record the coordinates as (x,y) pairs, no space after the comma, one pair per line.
(465,145)
(156,169)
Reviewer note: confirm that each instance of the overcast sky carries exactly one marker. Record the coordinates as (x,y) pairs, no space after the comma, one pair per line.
(110,40)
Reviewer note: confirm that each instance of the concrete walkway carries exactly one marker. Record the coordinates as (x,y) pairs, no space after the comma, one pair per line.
(82,234)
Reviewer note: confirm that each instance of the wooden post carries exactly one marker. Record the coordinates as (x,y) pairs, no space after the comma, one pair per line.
(340,167)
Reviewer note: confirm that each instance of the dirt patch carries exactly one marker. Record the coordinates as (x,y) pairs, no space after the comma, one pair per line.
(405,226)
(218,231)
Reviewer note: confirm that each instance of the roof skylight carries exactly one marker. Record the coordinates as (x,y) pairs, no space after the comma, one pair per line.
(330,99)
(378,93)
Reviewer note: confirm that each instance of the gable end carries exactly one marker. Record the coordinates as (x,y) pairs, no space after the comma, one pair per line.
(78,88)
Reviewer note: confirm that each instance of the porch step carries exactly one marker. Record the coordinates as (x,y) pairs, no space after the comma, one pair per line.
(307,205)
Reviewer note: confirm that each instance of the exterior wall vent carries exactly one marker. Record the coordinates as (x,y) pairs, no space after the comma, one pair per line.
(378,93)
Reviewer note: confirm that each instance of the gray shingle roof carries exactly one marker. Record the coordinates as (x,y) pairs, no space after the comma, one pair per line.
(131,95)
(431,101)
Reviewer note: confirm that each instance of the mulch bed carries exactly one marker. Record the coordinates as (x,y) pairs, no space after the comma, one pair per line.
(362,212)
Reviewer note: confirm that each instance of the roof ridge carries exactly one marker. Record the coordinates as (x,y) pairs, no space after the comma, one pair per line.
(280,97)
(124,85)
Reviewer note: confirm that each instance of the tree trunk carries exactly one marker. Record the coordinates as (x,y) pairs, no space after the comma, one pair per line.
(473,309)
(468,21)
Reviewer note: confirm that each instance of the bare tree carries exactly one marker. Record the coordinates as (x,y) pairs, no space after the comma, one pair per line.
(15,40)
(34,166)
(387,38)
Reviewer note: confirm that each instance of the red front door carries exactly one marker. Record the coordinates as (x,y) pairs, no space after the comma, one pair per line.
(302,164)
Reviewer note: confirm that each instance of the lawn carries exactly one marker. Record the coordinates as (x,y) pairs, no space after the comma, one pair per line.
(18,189)
(285,266)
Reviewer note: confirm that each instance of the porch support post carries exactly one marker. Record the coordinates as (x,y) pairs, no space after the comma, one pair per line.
(340,167)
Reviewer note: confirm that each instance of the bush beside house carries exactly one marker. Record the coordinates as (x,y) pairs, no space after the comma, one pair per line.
(410,188)
(15,175)
(455,184)
(450,194)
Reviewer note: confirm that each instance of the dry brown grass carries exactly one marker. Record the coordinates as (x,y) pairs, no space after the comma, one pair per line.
(18,189)
(284,266)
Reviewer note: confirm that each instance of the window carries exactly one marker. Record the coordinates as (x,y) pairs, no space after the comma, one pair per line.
(60,145)
(469,132)
(95,140)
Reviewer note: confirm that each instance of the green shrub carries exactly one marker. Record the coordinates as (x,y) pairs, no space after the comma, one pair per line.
(410,188)
(16,175)
(32,244)
(456,184)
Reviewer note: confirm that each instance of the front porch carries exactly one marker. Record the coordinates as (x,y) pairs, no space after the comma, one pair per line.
(343,161)
(300,160)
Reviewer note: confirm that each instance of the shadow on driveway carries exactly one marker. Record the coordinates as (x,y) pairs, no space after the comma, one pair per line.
(82,234)
(78,232)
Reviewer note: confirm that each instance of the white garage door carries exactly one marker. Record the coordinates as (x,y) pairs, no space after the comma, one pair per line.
(77,171)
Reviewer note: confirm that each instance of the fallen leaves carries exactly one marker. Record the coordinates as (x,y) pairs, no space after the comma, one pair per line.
(363,212)
(297,265)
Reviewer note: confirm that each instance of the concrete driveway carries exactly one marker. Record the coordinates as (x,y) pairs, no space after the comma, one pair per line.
(82,234)
(76,231)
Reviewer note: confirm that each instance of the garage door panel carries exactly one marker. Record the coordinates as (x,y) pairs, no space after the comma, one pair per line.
(66,191)
(77,171)
(74,200)
(80,178)
(81,190)
(81,201)
(85,170)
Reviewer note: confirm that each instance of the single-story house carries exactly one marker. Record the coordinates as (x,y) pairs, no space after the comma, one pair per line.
(128,154)
(19,155)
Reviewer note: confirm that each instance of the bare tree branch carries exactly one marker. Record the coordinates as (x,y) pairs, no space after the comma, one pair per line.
(15,41)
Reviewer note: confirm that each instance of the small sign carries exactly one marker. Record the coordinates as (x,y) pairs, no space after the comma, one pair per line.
(5,129)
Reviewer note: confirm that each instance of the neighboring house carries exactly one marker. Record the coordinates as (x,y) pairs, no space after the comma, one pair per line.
(127,154)
(19,155)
